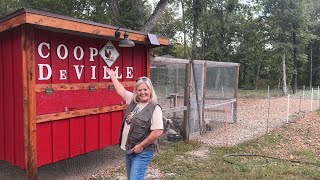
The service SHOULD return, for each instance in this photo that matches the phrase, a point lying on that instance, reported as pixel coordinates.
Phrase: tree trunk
(151, 22)
(284, 75)
(195, 28)
(311, 67)
(184, 30)
(295, 66)
(114, 8)
(138, 5)
(222, 33)
(257, 74)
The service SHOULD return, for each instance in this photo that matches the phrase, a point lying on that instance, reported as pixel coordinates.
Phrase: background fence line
(259, 115)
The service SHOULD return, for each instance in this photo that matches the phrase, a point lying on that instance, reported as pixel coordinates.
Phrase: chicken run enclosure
(195, 95)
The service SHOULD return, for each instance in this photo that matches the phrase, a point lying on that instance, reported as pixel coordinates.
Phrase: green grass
(259, 93)
(179, 164)
(263, 93)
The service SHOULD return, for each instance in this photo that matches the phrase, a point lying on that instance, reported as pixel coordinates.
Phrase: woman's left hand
(137, 149)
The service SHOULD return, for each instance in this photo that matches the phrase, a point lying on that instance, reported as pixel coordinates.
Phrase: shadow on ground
(79, 167)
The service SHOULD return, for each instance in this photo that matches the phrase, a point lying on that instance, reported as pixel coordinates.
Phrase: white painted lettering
(78, 72)
(63, 74)
(93, 52)
(118, 75)
(41, 76)
(129, 72)
(59, 51)
(75, 53)
(93, 72)
(105, 74)
(40, 50)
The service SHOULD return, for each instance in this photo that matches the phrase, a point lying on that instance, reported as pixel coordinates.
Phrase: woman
(141, 126)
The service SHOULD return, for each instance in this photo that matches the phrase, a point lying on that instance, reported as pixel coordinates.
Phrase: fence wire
(208, 87)
(258, 116)
(227, 119)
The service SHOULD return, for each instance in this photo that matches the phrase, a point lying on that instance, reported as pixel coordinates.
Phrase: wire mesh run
(195, 95)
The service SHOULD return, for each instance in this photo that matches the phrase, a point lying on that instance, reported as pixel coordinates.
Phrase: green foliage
(7, 7)
(255, 34)
(190, 162)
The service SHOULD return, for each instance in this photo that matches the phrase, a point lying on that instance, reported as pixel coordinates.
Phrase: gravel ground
(256, 117)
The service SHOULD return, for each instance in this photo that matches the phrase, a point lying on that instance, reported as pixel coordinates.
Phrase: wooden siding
(93, 119)
(1, 98)
(11, 109)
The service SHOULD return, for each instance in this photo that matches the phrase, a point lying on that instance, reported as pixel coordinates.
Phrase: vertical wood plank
(60, 140)
(148, 61)
(44, 130)
(57, 64)
(204, 95)
(77, 75)
(127, 61)
(73, 70)
(29, 101)
(186, 126)
(91, 67)
(116, 125)
(42, 36)
(17, 91)
(77, 136)
(60, 129)
(236, 82)
(102, 65)
(8, 99)
(1, 101)
(44, 145)
(119, 63)
(104, 130)
(138, 62)
(92, 132)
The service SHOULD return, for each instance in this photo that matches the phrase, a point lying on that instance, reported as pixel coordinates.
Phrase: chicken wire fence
(223, 119)
(195, 99)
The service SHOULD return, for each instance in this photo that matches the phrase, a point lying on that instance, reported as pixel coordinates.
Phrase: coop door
(195, 115)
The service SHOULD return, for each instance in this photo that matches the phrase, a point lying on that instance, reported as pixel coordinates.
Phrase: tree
(287, 22)
(122, 10)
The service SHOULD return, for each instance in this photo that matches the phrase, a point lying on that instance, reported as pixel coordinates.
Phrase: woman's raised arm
(117, 85)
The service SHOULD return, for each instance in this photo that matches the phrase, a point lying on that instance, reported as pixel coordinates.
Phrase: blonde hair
(153, 96)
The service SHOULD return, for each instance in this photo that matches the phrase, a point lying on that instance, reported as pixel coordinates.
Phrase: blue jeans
(137, 164)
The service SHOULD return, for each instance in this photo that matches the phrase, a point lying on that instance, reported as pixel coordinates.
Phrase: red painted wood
(91, 74)
(92, 132)
(127, 61)
(118, 64)
(18, 103)
(105, 130)
(42, 36)
(8, 99)
(61, 140)
(144, 61)
(75, 100)
(76, 74)
(1, 100)
(116, 125)
(58, 65)
(138, 57)
(44, 143)
(77, 136)
(71, 137)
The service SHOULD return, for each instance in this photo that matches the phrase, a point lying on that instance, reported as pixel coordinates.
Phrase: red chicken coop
(56, 99)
